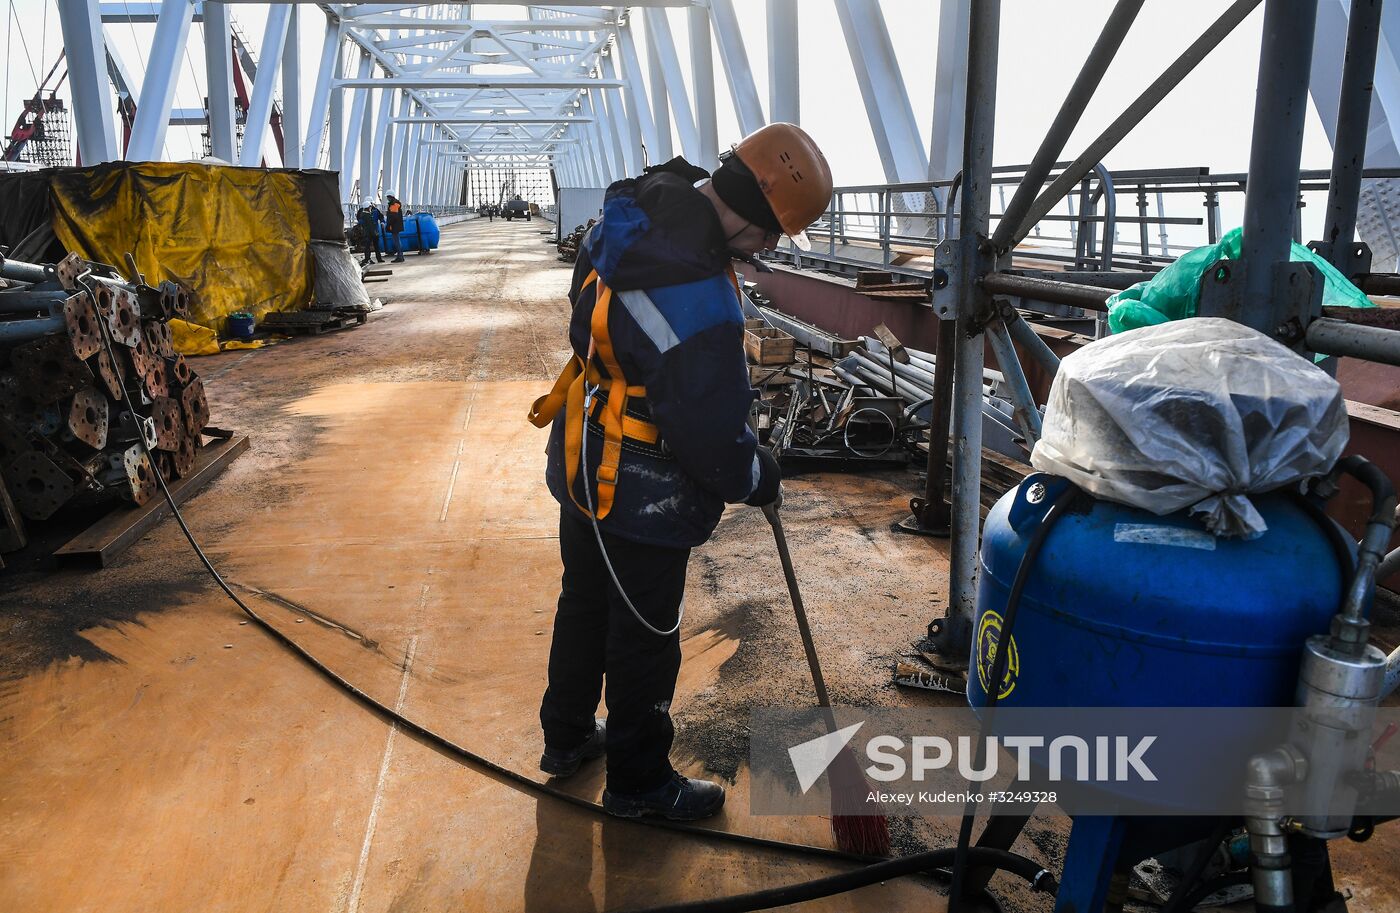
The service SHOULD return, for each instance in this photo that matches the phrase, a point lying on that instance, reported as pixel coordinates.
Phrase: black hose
(423, 732)
(1342, 546)
(1000, 658)
(1038, 878)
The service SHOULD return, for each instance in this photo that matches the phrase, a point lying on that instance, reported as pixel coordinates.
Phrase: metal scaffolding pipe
(1349, 143)
(1337, 337)
(1275, 154)
(1087, 297)
(954, 635)
(1071, 110)
(1133, 115)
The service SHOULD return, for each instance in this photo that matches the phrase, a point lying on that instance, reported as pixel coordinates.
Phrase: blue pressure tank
(1123, 608)
(1126, 608)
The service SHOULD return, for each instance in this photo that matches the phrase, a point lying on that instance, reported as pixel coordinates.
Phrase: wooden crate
(769, 346)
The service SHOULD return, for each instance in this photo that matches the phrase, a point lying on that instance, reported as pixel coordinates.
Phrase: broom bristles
(858, 823)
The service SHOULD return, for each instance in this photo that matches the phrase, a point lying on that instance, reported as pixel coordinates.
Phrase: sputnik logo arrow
(811, 759)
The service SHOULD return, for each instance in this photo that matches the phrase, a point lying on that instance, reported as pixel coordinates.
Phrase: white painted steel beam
(641, 127)
(475, 81)
(218, 73)
(378, 150)
(260, 107)
(365, 184)
(614, 124)
(949, 91)
(734, 57)
(321, 95)
(353, 127)
(492, 119)
(140, 13)
(662, 49)
(662, 149)
(291, 92)
(394, 142)
(784, 88)
(702, 77)
(158, 86)
(897, 135)
(93, 114)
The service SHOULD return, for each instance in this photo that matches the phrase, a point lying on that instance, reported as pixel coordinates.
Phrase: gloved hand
(769, 488)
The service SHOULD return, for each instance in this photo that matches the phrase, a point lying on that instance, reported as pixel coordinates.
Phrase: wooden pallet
(103, 541)
(313, 322)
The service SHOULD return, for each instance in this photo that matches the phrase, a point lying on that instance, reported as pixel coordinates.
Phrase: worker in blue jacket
(660, 372)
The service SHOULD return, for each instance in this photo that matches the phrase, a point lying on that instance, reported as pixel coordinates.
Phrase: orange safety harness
(574, 391)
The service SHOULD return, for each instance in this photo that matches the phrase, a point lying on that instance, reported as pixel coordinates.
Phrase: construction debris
(569, 244)
(66, 435)
(315, 319)
(881, 284)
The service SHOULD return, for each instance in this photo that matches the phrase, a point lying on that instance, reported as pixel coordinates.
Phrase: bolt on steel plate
(169, 422)
(49, 369)
(37, 486)
(84, 334)
(87, 417)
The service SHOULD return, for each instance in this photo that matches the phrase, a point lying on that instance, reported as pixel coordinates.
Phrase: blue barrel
(428, 232)
(420, 233)
(1126, 608)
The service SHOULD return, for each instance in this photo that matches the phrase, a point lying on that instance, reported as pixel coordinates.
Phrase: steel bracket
(947, 279)
(1356, 262)
(1296, 299)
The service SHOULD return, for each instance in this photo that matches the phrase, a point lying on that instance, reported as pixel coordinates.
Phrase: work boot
(680, 799)
(381, 259)
(559, 763)
(398, 259)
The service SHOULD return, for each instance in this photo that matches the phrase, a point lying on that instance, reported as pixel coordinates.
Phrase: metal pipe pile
(66, 435)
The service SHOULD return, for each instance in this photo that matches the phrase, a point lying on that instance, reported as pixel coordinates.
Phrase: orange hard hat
(791, 172)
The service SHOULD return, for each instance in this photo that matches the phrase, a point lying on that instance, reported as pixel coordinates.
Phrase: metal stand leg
(931, 515)
(1094, 843)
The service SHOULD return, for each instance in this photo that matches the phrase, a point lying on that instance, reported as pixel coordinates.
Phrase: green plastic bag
(1175, 292)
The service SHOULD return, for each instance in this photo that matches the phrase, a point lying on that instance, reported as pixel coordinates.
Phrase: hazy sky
(1206, 121)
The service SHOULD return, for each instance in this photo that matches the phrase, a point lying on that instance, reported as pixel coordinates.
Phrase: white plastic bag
(337, 276)
(1195, 413)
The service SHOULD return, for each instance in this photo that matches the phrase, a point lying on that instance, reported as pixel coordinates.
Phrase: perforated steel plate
(68, 269)
(124, 318)
(169, 422)
(37, 486)
(195, 407)
(84, 334)
(157, 379)
(158, 338)
(185, 455)
(178, 372)
(48, 370)
(87, 417)
(140, 476)
(111, 373)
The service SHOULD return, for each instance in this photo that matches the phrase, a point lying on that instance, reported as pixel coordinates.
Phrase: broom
(855, 829)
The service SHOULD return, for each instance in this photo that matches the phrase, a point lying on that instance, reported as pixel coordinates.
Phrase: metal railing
(1138, 220)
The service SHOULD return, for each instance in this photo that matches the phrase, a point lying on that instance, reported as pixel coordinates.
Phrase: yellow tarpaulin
(239, 237)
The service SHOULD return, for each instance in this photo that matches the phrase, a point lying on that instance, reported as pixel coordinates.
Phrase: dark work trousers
(371, 245)
(595, 634)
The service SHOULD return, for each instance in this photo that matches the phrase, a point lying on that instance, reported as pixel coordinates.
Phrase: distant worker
(490, 213)
(368, 217)
(393, 224)
(659, 368)
(378, 215)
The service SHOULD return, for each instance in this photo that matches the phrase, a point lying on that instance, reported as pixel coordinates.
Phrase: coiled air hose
(874, 870)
